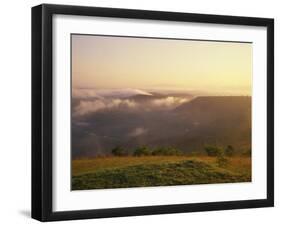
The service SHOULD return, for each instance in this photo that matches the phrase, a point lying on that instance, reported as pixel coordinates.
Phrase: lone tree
(118, 151)
(229, 151)
(219, 153)
(213, 151)
(142, 151)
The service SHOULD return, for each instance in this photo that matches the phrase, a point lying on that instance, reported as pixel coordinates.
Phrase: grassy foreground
(124, 172)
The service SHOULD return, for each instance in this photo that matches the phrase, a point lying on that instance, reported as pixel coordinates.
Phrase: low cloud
(91, 106)
(169, 101)
(86, 107)
(137, 132)
(88, 101)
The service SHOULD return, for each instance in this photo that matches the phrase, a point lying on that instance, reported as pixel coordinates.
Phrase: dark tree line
(146, 151)
(210, 150)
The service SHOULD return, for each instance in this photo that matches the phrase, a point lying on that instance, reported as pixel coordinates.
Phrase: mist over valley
(131, 118)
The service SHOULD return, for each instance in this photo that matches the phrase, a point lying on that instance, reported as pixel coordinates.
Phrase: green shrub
(166, 151)
(229, 151)
(213, 150)
(142, 151)
(119, 151)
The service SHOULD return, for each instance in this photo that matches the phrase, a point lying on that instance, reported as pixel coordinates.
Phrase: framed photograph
(140, 112)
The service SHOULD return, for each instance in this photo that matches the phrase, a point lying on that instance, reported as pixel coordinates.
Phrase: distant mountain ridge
(216, 102)
(101, 93)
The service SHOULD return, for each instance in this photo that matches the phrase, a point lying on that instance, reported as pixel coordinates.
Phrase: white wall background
(15, 114)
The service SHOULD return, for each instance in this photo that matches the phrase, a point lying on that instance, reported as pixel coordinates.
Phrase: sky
(107, 62)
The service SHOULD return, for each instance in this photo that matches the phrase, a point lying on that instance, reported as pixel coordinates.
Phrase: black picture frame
(42, 107)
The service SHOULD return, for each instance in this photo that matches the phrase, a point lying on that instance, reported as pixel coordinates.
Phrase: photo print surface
(159, 112)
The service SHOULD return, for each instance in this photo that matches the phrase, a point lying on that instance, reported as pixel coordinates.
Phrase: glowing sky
(142, 63)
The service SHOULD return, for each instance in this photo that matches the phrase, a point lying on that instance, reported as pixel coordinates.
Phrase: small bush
(194, 153)
(222, 161)
(119, 151)
(248, 152)
(142, 151)
(213, 151)
(229, 151)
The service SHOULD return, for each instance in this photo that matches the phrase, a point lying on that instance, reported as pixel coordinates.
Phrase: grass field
(124, 172)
